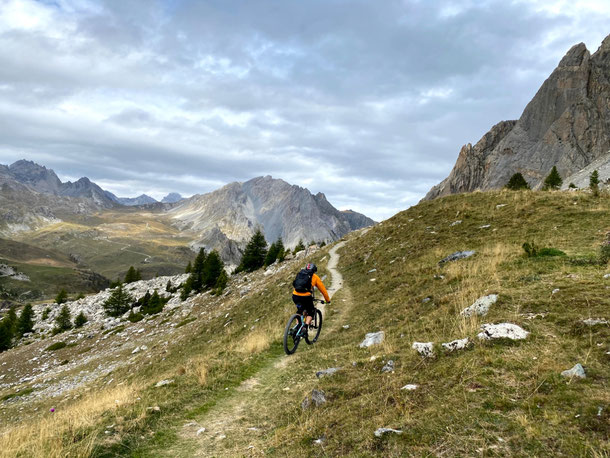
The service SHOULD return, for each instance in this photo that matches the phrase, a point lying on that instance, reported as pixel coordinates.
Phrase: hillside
(230, 391)
(565, 125)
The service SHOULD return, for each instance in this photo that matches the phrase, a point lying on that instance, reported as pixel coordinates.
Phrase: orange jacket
(315, 282)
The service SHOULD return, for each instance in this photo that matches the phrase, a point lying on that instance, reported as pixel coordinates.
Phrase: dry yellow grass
(255, 342)
(198, 367)
(67, 432)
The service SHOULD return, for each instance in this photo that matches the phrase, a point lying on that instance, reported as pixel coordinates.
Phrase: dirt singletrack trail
(234, 423)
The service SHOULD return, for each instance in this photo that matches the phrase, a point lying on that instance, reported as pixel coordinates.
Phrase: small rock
(372, 270)
(320, 441)
(607, 276)
(373, 279)
(389, 367)
(372, 338)
(454, 345)
(577, 371)
(381, 431)
(594, 321)
(346, 326)
(245, 290)
(164, 382)
(456, 256)
(200, 431)
(316, 398)
(502, 331)
(455, 223)
(425, 349)
(555, 291)
(327, 372)
(480, 306)
(501, 205)
(410, 387)
(425, 300)
(485, 226)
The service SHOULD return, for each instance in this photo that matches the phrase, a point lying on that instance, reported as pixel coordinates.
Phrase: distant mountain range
(32, 196)
(567, 125)
(44, 180)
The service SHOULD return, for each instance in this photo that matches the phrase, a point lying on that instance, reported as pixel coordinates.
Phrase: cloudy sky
(368, 101)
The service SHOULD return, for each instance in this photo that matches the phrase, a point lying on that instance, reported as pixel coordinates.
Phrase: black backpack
(302, 282)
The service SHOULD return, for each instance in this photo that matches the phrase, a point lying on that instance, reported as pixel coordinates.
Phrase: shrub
(572, 186)
(45, 313)
(135, 317)
(517, 182)
(604, 252)
(553, 180)
(533, 251)
(80, 320)
(56, 346)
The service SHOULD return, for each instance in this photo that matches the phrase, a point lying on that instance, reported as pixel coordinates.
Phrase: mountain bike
(296, 327)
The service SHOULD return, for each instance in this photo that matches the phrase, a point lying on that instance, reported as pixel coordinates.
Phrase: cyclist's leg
(309, 309)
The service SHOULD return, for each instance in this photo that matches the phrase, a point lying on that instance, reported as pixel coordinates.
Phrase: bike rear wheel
(317, 327)
(291, 339)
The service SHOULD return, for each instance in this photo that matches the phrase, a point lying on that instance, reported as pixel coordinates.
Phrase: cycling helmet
(311, 267)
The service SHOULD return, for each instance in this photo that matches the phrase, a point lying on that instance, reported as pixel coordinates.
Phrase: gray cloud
(368, 102)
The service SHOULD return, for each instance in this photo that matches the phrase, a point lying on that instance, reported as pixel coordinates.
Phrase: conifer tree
(63, 321)
(61, 297)
(281, 250)
(25, 323)
(119, 302)
(553, 180)
(154, 305)
(221, 282)
(300, 247)
(187, 288)
(594, 183)
(212, 268)
(517, 182)
(6, 334)
(271, 254)
(132, 275)
(188, 269)
(254, 254)
(11, 316)
(197, 271)
(80, 320)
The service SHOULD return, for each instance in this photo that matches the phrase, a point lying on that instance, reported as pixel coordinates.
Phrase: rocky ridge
(567, 125)
(227, 218)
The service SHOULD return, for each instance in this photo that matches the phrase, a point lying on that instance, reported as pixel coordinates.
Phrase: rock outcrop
(567, 124)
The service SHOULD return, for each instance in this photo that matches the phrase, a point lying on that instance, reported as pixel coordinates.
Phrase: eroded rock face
(567, 124)
(459, 344)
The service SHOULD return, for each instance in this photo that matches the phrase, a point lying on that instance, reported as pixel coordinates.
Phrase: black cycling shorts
(304, 303)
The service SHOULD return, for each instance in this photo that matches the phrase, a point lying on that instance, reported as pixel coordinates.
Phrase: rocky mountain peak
(566, 124)
(36, 176)
(172, 198)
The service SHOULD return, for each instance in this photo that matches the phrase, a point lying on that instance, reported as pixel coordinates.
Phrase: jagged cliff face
(227, 218)
(566, 124)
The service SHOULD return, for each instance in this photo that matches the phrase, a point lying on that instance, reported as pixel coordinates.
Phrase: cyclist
(302, 295)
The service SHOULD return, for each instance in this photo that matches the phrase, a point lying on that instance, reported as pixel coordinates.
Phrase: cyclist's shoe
(303, 331)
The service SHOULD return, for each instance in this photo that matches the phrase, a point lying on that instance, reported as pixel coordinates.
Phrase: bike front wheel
(291, 337)
(317, 327)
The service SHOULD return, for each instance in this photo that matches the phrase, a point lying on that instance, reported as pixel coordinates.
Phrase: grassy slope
(494, 399)
(114, 240)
